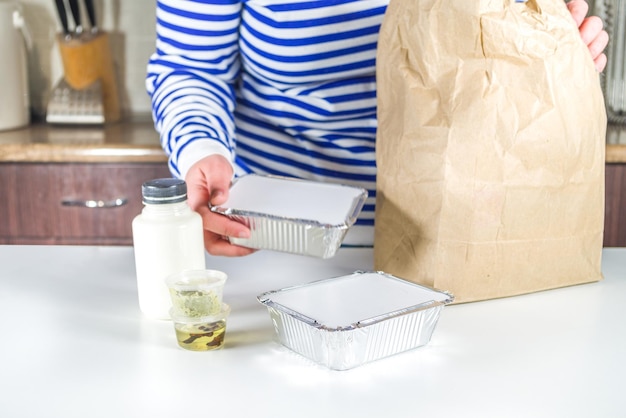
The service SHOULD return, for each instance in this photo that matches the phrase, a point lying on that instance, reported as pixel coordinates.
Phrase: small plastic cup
(201, 333)
(196, 293)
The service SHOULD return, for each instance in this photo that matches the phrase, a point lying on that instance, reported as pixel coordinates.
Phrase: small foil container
(347, 321)
(292, 215)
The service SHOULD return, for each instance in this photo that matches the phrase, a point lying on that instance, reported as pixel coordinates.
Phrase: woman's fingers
(218, 245)
(596, 39)
(591, 28)
(578, 9)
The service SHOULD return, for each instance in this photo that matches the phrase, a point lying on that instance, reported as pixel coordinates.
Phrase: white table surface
(74, 344)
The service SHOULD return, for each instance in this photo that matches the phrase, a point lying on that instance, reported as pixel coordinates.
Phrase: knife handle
(75, 9)
(63, 16)
(91, 14)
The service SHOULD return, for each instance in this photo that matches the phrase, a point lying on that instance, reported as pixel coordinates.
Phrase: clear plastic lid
(222, 315)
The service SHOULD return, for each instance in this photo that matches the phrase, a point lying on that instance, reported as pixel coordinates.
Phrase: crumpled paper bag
(490, 148)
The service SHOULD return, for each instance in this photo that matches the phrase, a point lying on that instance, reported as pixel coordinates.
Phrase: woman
(276, 87)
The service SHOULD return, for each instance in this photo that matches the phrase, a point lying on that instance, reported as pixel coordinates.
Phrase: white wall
(131, 27)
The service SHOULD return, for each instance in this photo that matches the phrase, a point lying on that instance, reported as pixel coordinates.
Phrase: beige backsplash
(131, 26)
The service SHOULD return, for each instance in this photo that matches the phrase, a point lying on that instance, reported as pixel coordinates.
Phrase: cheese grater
(68, 105)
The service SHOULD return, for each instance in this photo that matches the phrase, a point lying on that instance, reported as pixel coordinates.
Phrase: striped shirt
(282, 87)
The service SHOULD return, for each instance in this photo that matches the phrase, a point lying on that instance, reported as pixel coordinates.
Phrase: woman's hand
(208, 181)
(591, 31)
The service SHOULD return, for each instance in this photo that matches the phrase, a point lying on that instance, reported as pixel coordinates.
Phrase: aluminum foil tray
(293, 215)
(347, 321)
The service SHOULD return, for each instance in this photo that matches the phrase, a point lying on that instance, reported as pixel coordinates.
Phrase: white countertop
(74, 344)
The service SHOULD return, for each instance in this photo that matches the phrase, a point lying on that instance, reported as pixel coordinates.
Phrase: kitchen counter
(76, 345)
(129, 141)
(616, 144)
(137, 141)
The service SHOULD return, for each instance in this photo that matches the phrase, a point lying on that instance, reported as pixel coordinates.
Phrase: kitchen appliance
(14, 41)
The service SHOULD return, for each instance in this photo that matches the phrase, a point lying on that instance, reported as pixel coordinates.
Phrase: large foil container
(347, 321)
(292, 215)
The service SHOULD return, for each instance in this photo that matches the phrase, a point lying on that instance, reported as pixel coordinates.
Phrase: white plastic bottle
(167, 238)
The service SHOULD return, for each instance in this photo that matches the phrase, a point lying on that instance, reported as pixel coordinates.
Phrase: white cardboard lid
(346, 300)
(326, 203)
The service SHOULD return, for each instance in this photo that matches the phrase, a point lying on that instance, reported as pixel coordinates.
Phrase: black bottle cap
(162, 191)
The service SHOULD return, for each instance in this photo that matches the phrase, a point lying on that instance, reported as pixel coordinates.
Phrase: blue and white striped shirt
(284, 87)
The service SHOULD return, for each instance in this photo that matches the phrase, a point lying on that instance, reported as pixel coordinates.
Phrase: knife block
(87, 60)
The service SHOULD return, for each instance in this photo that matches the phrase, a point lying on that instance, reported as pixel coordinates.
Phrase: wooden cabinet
(95, 203)
(615, 206)
(72, 203)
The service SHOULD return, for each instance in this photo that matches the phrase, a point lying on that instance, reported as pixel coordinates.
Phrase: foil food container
(292, 215)
(347, 321)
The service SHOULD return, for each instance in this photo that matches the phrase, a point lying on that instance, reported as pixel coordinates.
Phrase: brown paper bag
(490, 148)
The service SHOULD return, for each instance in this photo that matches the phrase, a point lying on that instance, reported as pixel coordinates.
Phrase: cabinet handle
(121, 201)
